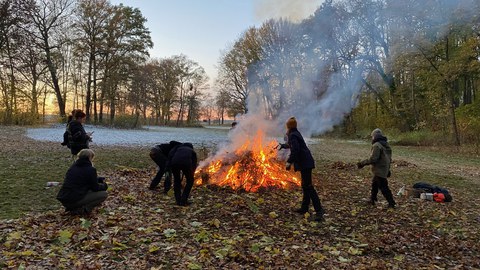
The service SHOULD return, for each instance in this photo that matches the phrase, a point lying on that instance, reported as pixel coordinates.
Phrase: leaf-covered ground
(140, 229)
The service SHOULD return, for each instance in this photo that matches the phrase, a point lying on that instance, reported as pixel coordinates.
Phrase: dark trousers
(87, 203)
(161, 161)
(382, 184)
(309, 192)
(181, 198)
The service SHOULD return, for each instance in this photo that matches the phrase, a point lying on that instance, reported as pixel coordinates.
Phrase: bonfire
(251, 167)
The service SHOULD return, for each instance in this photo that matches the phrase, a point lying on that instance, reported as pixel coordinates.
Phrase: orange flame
(252, 166)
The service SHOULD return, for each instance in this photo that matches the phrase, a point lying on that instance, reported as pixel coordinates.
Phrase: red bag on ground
(439, 197)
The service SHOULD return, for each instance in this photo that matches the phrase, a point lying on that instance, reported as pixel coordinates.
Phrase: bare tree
(192, 79)
(222, 104)
(126, 42)
(91, 22)
(49, 19)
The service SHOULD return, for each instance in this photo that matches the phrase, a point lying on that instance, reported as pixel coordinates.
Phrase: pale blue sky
(201, 29)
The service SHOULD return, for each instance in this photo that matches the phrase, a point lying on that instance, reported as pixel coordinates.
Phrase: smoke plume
(321, 63)
(293, 10)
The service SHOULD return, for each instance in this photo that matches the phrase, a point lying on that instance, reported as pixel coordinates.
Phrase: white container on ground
(52, 184)
(426, 196)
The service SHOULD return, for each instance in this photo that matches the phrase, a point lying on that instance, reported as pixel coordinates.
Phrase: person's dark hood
(381, 139)
(188, 145)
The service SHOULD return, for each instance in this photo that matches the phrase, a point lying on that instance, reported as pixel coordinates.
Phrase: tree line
(92, 55)
(409, 65)
(412, 65)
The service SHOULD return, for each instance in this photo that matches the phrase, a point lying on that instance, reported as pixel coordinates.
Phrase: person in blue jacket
(303, 161)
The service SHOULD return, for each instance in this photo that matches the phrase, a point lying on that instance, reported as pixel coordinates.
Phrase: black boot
(301, 210)
(318, 217)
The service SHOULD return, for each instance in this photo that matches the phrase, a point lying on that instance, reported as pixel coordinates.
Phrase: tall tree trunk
(414, 99)
(112, 108)
(103, 91)
(34, 105)
(88, 95)
(76, 95)
(44, 102)
(53, 74)
(180, 110)
(95, 90)
(450, 88)
(9, 86)
(4, 86)
(456, 135)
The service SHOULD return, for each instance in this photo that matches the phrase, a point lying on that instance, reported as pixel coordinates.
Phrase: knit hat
(377, 132)
(291, 123)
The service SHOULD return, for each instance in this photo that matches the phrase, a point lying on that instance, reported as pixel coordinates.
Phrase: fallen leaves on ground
(141, 229)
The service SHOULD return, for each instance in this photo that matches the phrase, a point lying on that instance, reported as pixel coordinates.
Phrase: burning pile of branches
(251, 167)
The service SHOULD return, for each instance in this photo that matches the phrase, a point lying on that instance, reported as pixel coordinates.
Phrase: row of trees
(412, 65)
(92, 55)
(406, 65)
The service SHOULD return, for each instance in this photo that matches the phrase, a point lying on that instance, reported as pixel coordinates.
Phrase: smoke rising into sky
(320, 89)
(341, 85)
(294, 10)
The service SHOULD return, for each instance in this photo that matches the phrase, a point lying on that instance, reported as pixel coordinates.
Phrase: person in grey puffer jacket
(380, 159)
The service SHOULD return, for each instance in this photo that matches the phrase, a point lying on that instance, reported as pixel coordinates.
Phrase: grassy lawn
(29, 165)
(225, 229)
(448, 167)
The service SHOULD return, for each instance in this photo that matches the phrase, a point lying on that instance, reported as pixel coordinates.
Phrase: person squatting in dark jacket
(380, 159)
(182, 158)
(78, 138)
(82, 190)
(159, 154)
(302, 161)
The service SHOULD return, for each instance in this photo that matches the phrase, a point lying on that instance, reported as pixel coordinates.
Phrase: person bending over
(182, 158)
(159, 154)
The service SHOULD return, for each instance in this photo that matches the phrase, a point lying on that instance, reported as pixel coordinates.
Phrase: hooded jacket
(183, 156)
(80, 178)
(380, 157)
(160, 152)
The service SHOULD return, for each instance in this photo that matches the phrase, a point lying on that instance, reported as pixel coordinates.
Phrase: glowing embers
(252, 166)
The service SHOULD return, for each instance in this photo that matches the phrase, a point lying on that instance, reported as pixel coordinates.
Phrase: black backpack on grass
(428, 188)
